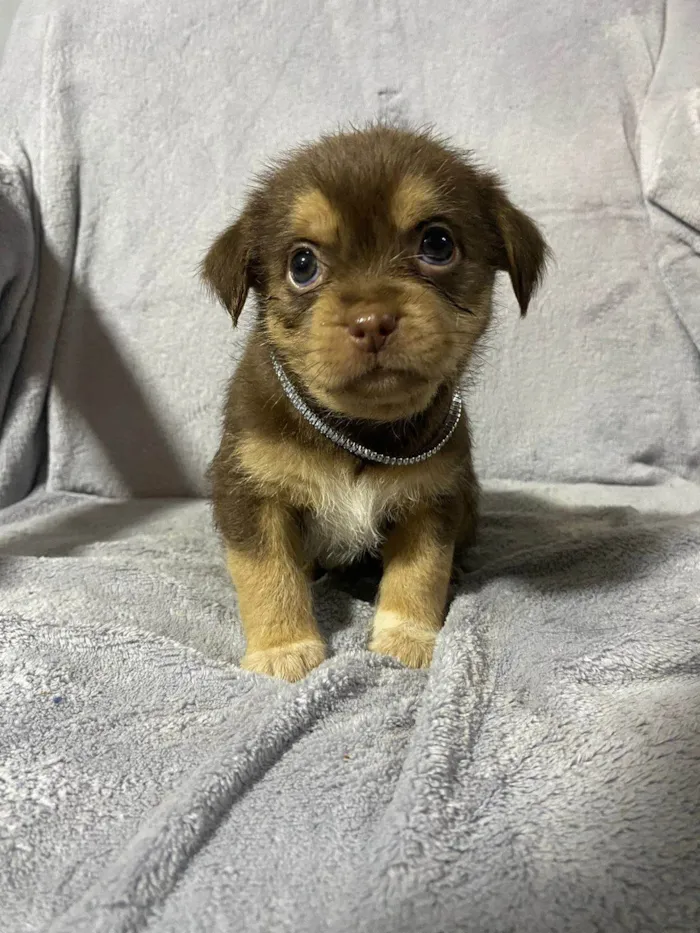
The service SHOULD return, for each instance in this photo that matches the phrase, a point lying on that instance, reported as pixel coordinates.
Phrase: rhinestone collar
(358, 450)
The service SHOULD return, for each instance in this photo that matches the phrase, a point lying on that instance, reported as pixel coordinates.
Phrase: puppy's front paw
(408, 642)
(288, 662)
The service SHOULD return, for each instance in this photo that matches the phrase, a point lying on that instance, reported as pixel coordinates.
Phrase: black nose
(370, 331)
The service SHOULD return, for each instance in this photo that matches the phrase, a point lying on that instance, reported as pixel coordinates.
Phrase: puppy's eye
(437, 248)
(304, 267)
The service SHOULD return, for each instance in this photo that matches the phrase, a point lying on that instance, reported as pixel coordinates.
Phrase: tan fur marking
(402, 639)
(412, 202)
(307, 476)
(325, 362)
(413, 591)
(274, 598)
(346, 511)
(314, 218)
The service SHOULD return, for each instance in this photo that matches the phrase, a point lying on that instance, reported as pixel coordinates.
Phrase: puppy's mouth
(381, 392)
(382, 379)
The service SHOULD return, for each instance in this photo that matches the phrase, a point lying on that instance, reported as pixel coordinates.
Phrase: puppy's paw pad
(413, 647)
(288, 662)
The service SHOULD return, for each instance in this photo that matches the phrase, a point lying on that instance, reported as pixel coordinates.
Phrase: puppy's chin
(379, 395)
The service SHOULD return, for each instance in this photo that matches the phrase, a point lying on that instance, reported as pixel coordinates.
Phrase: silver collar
(364, 453)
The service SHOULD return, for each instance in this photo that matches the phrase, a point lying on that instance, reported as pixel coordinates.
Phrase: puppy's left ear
(228, 267)
(522, 250)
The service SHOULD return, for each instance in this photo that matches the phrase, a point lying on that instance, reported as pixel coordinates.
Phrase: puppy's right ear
(227, 267)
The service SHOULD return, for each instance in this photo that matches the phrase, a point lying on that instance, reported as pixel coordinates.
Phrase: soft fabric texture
(544, 775)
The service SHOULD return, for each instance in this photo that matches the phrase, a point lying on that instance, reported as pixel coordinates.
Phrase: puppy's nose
(370, 331)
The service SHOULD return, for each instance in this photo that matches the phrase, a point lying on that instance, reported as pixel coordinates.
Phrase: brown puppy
(372, 255)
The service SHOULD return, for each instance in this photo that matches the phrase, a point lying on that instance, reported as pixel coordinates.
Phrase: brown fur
(283, 494)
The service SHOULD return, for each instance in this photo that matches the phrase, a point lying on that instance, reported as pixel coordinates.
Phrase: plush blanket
(544, 775)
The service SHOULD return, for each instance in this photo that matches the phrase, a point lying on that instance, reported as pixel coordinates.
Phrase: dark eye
(304, 267)
(437, 248)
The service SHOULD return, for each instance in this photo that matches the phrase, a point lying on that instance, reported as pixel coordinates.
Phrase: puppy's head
(373, 255)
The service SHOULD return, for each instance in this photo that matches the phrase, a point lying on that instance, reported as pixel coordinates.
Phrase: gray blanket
(544, 775)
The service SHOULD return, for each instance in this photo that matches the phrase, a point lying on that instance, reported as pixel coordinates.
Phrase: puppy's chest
(348, 518)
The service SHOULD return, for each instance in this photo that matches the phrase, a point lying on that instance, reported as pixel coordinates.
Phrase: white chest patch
(348, 520)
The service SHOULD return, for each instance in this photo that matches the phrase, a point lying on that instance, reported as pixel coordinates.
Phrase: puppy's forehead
(325, 213)
(360, 191)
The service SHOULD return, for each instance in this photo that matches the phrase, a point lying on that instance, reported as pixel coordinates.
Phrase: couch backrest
(150, 119)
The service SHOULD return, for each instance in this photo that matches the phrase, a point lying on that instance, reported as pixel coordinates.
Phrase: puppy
(372, 255)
